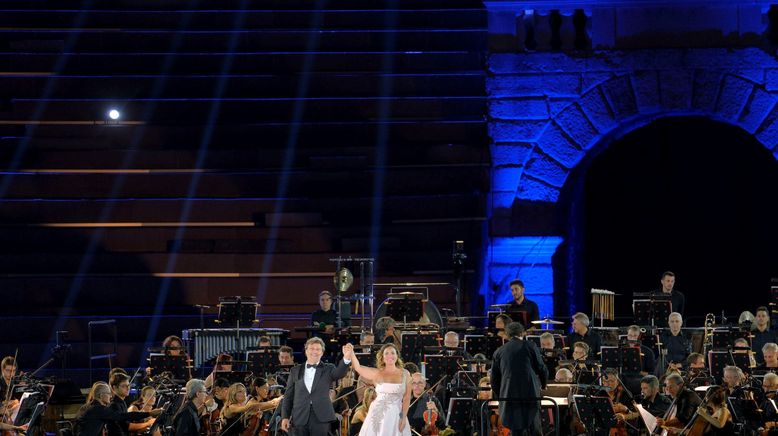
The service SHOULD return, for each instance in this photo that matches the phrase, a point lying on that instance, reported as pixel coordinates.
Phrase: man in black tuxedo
(307, 401)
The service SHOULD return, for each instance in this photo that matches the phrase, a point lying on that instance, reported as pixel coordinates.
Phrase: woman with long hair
(388, 414)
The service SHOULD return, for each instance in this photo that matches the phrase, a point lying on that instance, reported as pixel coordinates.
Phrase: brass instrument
(710, 324)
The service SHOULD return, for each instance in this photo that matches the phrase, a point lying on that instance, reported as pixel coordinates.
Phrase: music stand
(492, 344)
(596, 413)
(475, 344)
(405, 308)
(176, 365)
(458, 416)
(237, 311)
(366, 359)
(262, 362)
(626, 359)
(413, 343)
(653, 311)
(717, 360)
(437, 366)
(724, 338)
(744, 411)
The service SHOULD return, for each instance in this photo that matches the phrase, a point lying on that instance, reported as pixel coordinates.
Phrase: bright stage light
(114, 114)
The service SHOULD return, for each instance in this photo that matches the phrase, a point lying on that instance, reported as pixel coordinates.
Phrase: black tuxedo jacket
(298, 401)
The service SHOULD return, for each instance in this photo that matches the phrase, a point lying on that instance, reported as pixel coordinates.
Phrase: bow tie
(308, 365)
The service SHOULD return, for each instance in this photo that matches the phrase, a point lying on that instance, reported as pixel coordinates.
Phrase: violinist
(186, 422)
(260, 394)
(235, 410)
(685, 403)
(93, 416)
(495, 423)
(618, 399)
(769, 406)
(360, 413)
(653, 401)
(145, 403)
(422, 401)
(223, 364)
(9, 405)
(717, 417)
(120, 388)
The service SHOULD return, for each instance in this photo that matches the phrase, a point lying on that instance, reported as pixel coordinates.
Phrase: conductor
(518, 372)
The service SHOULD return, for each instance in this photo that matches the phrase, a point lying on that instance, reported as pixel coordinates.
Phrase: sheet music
(648, 418)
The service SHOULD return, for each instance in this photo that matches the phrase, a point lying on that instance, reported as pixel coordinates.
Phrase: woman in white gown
(388, 413)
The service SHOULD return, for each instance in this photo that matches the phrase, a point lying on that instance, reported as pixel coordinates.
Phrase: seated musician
(563, 375)
(366, 340)
(285, 358)
(485, 394)
(582, 333)
(686, 403)
(733, 382)
(581, 351)
(551, 355)
(120, 388)
(647, 354)
(717, 417)
(481, 365)
(325, 316)
(451, 345)
(616, 392)
(260, 394)
(769, 406)
(697, 374)
(264, 342)
(144, 403)
(653, 401)
(385, 328)
(360, 413)
(411, 367)
(186, 421)
(741, 346)
(422, 401)
(761, 333)
(677, 345)
(521, 304)
(8, 372)
(770, 355)
(235, 410)
(500, 321)
(223, 364)
(218, 395)
(96, 413)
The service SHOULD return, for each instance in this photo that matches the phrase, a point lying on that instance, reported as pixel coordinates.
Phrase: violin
(430, 417)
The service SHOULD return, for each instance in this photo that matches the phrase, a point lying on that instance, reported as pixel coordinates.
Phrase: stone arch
(626, 102)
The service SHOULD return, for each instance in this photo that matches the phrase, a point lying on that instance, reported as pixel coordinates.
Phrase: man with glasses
(96, 413)
(120, 388)
(422, 402)
(685, 402)
(187, 420)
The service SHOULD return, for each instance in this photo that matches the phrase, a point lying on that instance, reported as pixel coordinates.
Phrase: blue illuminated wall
(550, 113)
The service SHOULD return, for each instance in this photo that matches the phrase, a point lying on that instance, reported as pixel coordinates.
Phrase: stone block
(503, 200)
(768, 132)
(543, 167)
(759, 106)
(771, 80)
(706, 90)
(591, 79)
(575, 123)
(534, 85)
(756, 75)
(516, 131)
(511, 153)
(619, 93)
(543, 62)
(555, 143)
(645, 84)
(675, 89)
(506, 178)
(735, 92)
(596, 109)
(519, 109)
(532, 189)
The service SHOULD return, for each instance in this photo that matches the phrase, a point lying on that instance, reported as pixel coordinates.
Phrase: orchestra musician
(451, 345)
(563, 375)
(521, 304)
(144, 403)
(95, 414)
(360, 413)
(770, 356)
(286, 360)
(696, 374)
(769, 407)
(500, 321)
(733, 383)
(120, 388)
(422, 401)
(518, 372)
(551, 355)
(761, 333)
(264, 342)
(235, 409)
(223, 364)
(677, 345)
(677, 299)
(386, 330)
(325, 317)
(9, 405)
(260, 395)
(186, 421)
(717, 417)
(685, 403)
(653, 401)
(366, 341)
(582, 333)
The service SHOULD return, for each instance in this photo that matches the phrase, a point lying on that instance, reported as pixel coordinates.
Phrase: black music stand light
(596, 413)
(262, 362)
(653, 311)
(474, 344)
(176, 365)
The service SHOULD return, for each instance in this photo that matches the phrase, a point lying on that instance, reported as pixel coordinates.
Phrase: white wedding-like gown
(383, 417)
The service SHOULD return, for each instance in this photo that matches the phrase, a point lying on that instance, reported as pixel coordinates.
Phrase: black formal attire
(528, 306)
(233, 426)
(648, 365)
(186, 422)
(92, 417)
(591, 338)
(311, 411)
(758, 341)
(677, 299)
(518, 372)
(678, 347)
(686, 405)
(329, 317)
(416, 413)
(118, 428)
(658, 407)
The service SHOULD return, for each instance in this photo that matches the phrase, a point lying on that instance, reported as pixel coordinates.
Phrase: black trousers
(313, 427)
